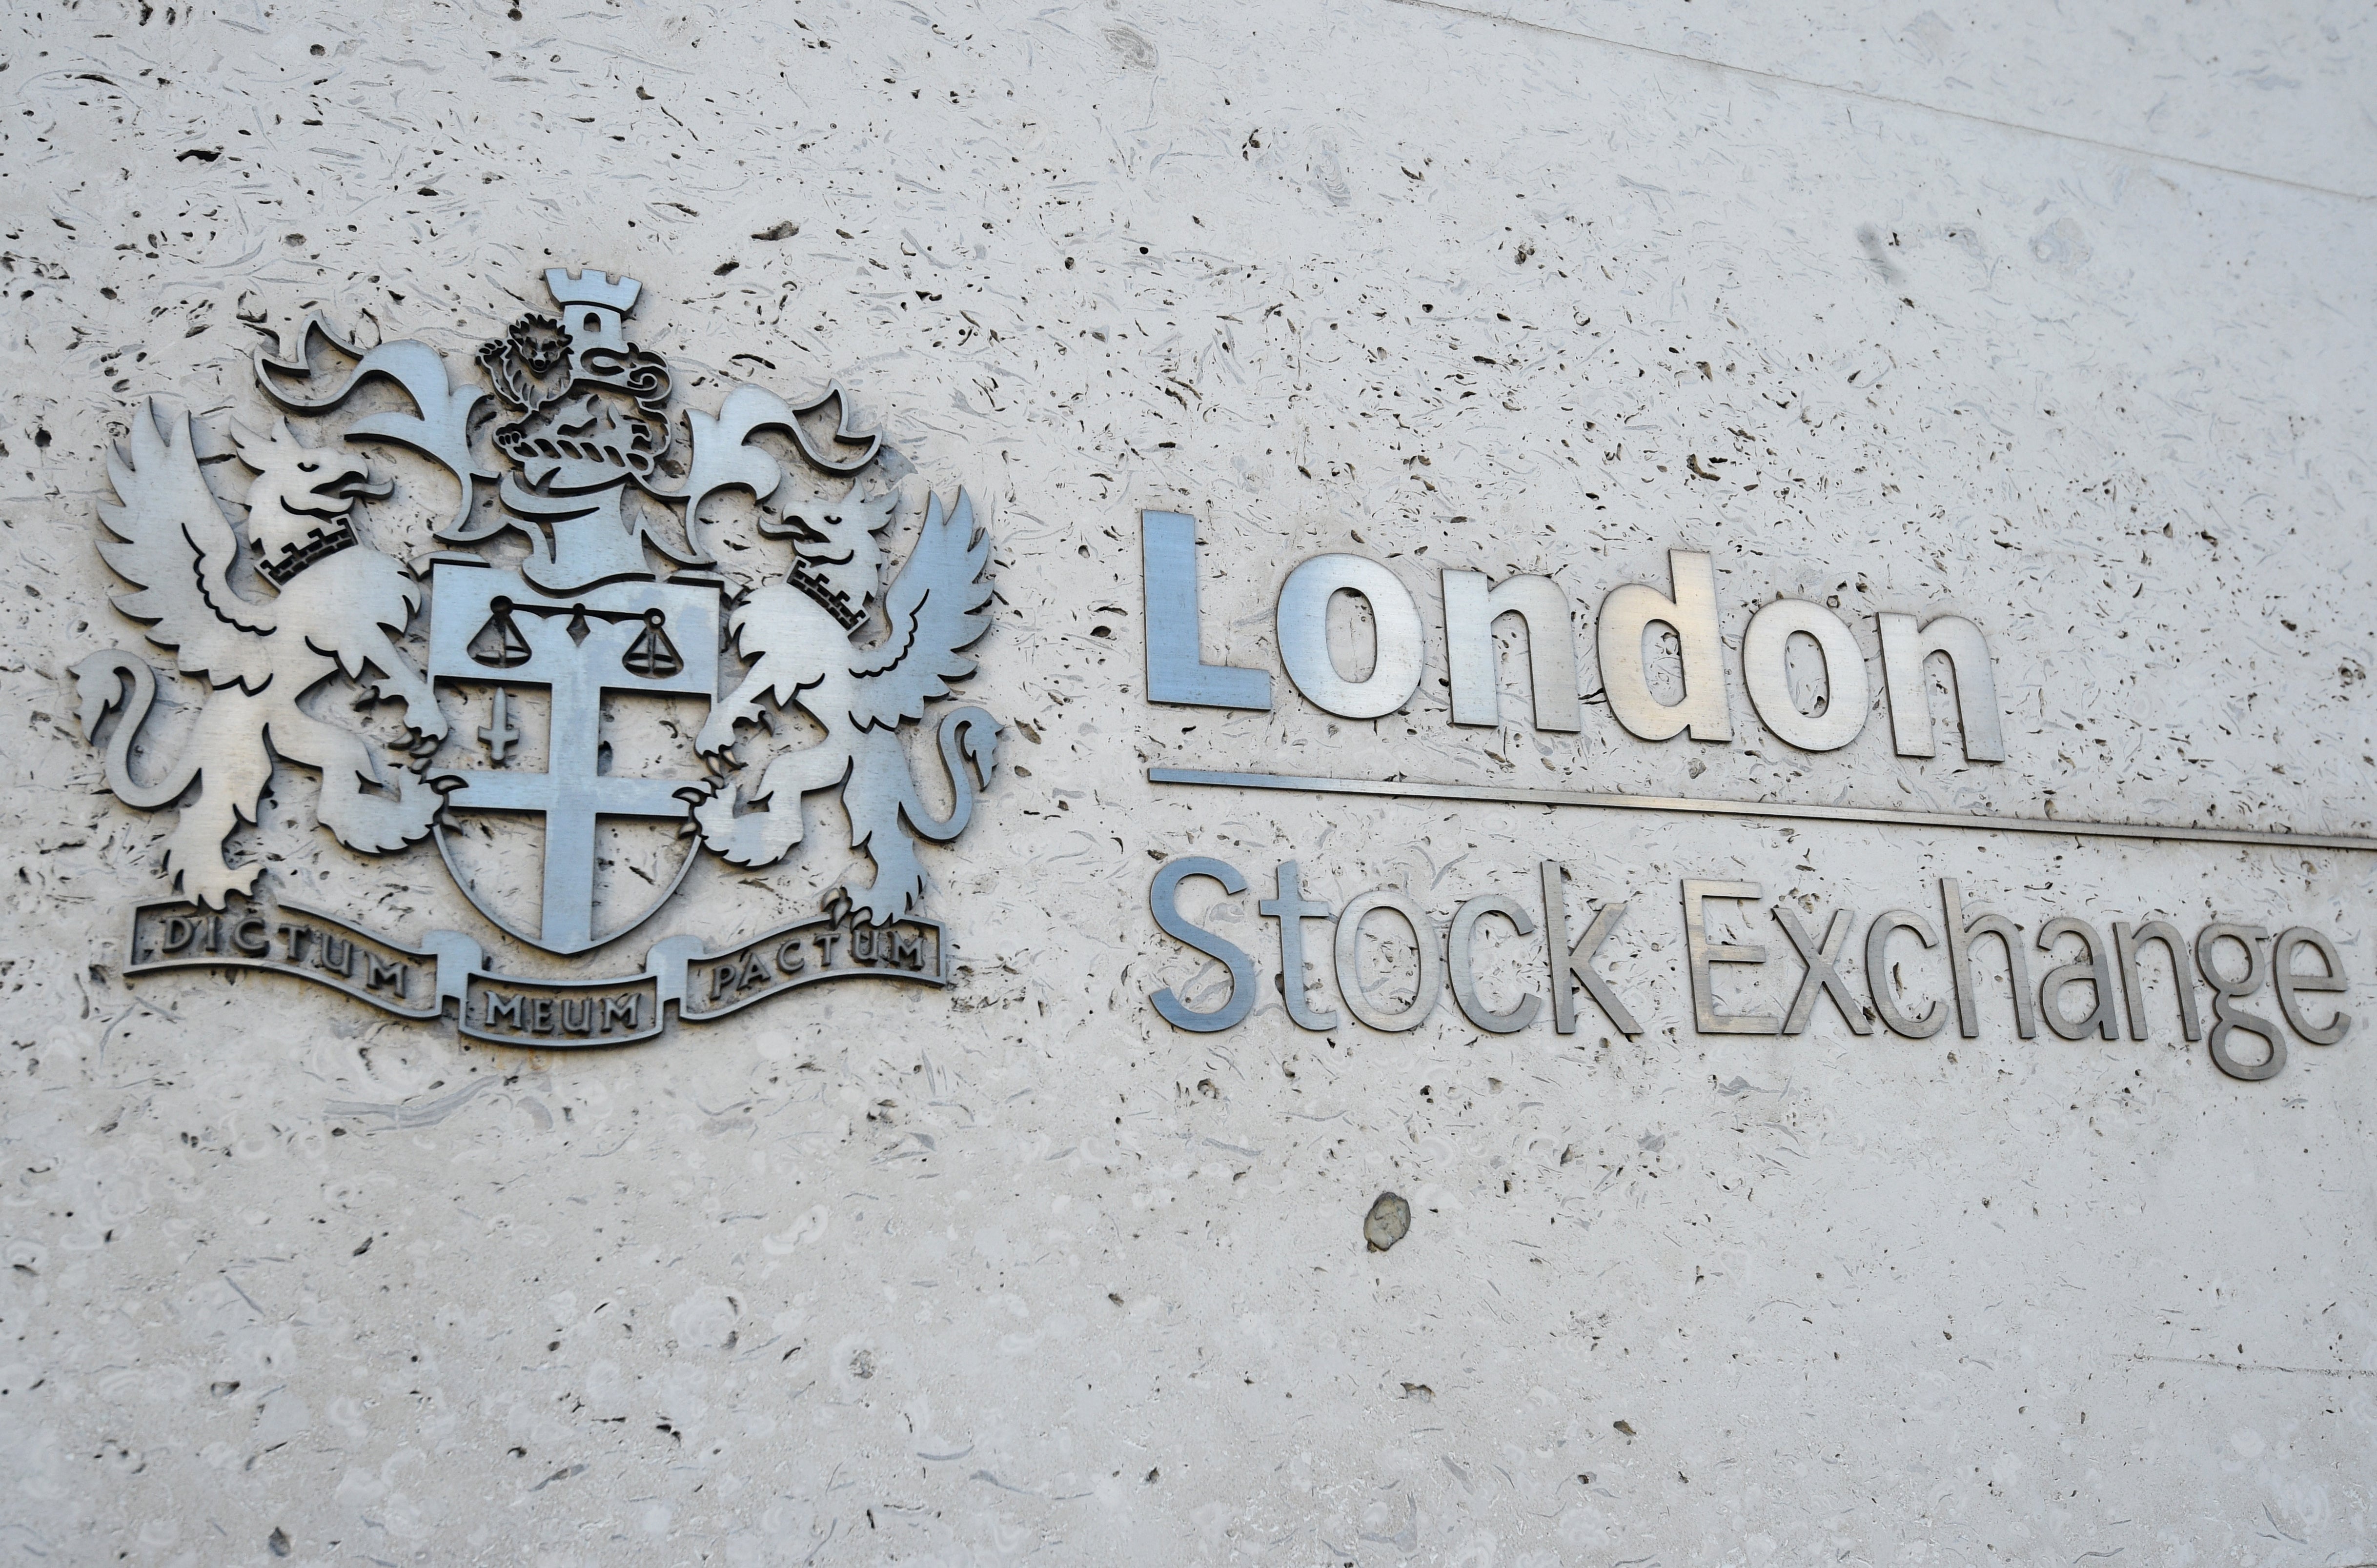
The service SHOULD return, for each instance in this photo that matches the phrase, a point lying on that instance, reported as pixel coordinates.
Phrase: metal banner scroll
(528, 1010)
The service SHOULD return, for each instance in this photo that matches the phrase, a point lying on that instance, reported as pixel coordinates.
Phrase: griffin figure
(340, 605)
(797, 631)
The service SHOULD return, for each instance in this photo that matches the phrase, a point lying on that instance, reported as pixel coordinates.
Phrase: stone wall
(2057, 321)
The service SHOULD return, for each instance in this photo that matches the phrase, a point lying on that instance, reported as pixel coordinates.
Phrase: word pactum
(2234, 960)
(1177, 671)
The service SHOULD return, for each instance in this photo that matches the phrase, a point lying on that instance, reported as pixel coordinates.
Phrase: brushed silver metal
(1303, 623)
(1291, 908)
(1906, 645)
(1423, 790)
(2229, 990)
(1883, 989)
(1626, 616)
(2094, 970)
(1460, 952)
(1163, 901)
(2126, 943)
(342, 606)
(1473, 603)
(724, 458)
(2289, 985)
(1348, 954)
(578, 648)
(1177, 671)
(584, 416)
(1766, 672)
(1572, 963)
(1823, 976)
(1961, 933)
(1702, 955)
(796, 632)
(439, 428)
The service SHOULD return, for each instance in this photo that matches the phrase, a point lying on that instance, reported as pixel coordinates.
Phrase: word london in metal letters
(576, 432)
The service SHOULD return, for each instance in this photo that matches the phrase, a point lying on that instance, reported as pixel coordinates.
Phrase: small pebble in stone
(1389, 1221)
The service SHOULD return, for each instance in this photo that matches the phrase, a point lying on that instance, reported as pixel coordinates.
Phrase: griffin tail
(881, 797)
(100, 683)
(968, 736)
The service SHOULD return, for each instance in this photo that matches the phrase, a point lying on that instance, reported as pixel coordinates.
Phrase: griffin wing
(173, 543)
(939, 606)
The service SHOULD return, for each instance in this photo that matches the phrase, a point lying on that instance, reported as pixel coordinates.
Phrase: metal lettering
(541, 1015)
(1905, 645)
(254, 946)
(2093, 971)
(2226, 1018)
(1701, 954)
(1470, 609)
(1459, 955)
(1572, 966)
(1883, 988)
(1766, 670)
(2289, 984)
(1348, 954)
(825, 941)
(1303, 624)
(790, 959)
(621, 1012)
(1177, 671)
(908, 950)
(378, 974)
(1627, 617)
(1961, 934)
(1291, 909)
(1163, 901)
(1823, 976)
(2174, 948)
(501, 1007)
(577, 1015)
(336, 956)
(179, 929)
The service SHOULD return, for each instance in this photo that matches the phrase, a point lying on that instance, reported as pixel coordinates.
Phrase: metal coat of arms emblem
(569, 598)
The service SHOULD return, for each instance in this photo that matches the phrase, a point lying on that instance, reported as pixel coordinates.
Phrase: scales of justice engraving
(566, 594)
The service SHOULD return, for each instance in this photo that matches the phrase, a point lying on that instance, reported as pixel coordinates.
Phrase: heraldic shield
(565, 743)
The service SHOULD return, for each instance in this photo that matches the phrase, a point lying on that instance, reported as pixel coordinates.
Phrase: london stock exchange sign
(576, 432)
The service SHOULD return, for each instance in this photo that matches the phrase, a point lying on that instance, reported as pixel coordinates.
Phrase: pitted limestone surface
(1877, 313)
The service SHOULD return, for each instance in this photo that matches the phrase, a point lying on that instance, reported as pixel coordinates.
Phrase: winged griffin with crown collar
(338, 605)
(798, 631)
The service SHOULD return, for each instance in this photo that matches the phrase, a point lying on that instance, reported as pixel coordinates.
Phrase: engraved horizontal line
(2258, 1366)
(1527, 24)
(1975, 822)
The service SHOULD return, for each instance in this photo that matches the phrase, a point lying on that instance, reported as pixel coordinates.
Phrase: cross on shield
(489, 625)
